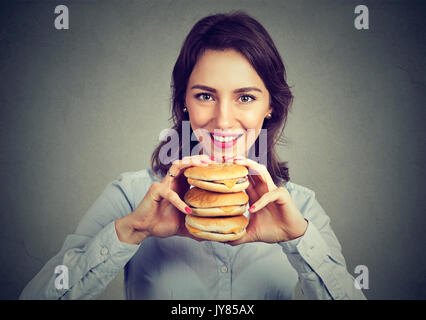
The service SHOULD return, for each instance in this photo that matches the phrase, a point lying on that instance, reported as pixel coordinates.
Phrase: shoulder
(304, 198)
(299, 191)
(132, 177)
(135, 184)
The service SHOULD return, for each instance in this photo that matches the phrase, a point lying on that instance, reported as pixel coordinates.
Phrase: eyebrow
(240, 90)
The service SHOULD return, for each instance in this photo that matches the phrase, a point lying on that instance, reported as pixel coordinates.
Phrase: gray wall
(80, 106)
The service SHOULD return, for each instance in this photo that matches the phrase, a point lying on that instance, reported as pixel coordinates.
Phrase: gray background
(80, 106)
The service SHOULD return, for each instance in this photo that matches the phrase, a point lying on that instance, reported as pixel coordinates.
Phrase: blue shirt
(182, 268)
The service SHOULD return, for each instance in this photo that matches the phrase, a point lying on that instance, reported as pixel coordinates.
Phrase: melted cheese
(229, 208)
(234, 230)
(192, 229)
(228, 182)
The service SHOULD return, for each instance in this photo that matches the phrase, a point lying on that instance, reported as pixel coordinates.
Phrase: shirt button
(224, 269)
(104, 251)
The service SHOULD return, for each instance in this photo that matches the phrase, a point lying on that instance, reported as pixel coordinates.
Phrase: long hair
(240, 32)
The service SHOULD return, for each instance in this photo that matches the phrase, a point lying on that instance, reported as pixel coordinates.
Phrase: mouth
(225, 141)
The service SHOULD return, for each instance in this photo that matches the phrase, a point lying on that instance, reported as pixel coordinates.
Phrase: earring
(269, 116)
(185, 109)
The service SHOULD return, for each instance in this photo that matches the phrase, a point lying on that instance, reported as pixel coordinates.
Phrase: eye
(246, 98)
(204, 96)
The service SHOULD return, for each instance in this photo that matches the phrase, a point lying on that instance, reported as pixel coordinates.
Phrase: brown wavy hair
(240, 32)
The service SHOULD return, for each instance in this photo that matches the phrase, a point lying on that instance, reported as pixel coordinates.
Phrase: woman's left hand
(273, 215)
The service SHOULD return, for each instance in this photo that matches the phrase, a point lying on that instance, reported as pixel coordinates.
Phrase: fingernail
(203, 161)
(251, 208)
(188, 210)
(212, 158)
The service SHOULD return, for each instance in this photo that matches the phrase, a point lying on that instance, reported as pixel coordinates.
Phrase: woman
(229, 83)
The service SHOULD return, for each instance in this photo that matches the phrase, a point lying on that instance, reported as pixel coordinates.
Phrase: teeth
(224, 139)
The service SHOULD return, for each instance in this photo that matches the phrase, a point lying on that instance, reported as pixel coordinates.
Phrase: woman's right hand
(158, 214)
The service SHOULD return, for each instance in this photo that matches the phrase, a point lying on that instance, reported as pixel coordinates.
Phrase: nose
(224, 115)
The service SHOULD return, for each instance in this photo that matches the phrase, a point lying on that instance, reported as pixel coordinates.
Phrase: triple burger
(218, 201)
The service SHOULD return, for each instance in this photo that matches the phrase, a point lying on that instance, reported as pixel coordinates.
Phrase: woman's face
(227, 103)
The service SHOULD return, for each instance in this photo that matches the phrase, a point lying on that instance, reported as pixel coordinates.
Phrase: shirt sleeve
(318, 259)
(92, 256)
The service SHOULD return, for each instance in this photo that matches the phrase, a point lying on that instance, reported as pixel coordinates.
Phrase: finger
(161, 191)
(183, 232)
(257, 169)
(227, 159)
(201, 159)
(252, 193)
(258, 185)
(253, 165)
(249, 236)
(178, 166)
(278, 195)
(174, 199)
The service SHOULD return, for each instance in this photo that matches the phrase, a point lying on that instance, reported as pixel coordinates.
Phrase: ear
(268, 112)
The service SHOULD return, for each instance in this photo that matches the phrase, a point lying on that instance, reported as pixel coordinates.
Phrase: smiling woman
(232, 100)
(229, 80)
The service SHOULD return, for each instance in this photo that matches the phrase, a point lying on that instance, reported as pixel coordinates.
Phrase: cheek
(251, 120)
(199, 124)
(198, 119)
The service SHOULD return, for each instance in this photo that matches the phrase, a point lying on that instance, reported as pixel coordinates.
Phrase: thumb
(249, 236)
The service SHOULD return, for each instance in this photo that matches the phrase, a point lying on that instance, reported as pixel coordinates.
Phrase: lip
(227, 144)
(223, 134)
